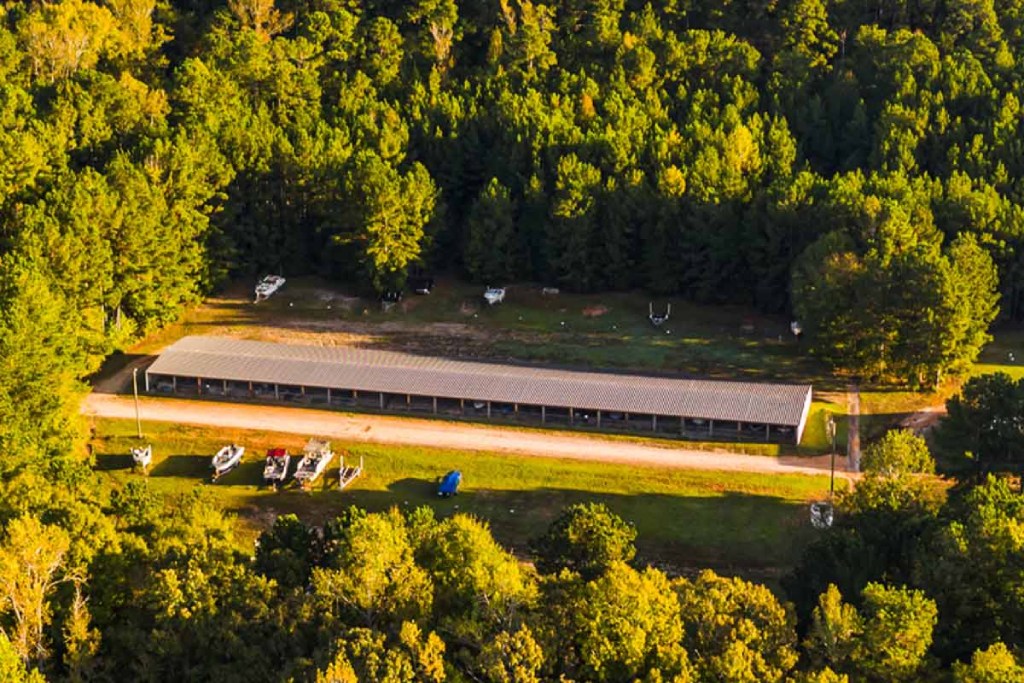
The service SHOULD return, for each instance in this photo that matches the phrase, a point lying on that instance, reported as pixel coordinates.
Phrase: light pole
(135, 391)
(830, 430)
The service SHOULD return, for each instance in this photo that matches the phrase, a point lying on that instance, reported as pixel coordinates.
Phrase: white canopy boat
(276, 469)
(267, 286)
(494, 295)
(226, 460)
(317, 456)
(142, 457)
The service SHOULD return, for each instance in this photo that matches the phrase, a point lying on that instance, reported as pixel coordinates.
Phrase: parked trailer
(348, 474)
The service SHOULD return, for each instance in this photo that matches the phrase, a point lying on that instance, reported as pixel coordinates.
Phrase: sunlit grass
(687, 518)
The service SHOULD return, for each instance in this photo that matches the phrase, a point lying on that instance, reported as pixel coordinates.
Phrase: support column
(328, 396)
(302, 390)
(174, 383)
(462, 405)
(682, 426)
(543, 414)
(739, 427)
(654, 423)
(355, 396)
(515, 409)
(147, 382)
(599, 419)
(225, 387)
(570, 416)
(277, 393)
(199, 385)
(767, 432)
(250, 390)
(711, 427)
(435, 405)
(488, 410)
(408, 400)
(382, 400)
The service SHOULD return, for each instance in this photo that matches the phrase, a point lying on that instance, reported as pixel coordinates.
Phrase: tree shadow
(733, 533)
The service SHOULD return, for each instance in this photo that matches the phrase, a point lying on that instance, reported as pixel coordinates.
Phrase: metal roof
(402, 373)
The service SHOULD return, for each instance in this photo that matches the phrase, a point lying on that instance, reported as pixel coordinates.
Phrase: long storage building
(370, 379)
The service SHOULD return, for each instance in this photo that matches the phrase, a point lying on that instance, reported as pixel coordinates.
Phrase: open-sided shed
(400, 382)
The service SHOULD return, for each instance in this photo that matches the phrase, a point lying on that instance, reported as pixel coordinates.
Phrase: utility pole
(830, 429)
(135, 390)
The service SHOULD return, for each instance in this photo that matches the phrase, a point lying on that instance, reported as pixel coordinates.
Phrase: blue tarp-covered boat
(449, 485)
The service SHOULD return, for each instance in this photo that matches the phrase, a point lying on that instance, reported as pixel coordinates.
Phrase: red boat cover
(276, 452)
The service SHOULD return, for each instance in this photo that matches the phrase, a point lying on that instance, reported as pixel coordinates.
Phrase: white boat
(141, 457)
(226, 460)
(276, 468)
(494, 295)
(267, 286)
(317, 455)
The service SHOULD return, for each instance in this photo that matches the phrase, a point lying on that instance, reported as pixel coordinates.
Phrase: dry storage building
(401, 382)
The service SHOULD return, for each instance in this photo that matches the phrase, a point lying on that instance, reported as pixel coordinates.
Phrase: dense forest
(856, 163)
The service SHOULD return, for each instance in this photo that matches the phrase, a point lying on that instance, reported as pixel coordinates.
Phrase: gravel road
(437, 434)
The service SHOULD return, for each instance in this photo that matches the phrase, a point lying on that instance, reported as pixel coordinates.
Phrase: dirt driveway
(437, 434)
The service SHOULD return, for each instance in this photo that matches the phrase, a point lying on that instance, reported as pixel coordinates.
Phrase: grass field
(996, 357)
(606, 330)
(745, 523)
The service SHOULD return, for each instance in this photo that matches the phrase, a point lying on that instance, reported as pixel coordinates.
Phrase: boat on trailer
(449, 484)
(276, 469)
(267, 286)
(494, 295)
(226, 460)
(317, 455)
(142, 457)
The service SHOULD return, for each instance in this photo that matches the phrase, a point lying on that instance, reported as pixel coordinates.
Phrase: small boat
(822, 515)
(421, 285)
(449, 485)
(141, 457)
(276, 469)
(494, 295)
(317, 455)
(267, 286)
(226, 460)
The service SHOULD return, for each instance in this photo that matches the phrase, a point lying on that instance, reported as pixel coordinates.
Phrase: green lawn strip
(996, 356)
(815, 440)
(685, 518)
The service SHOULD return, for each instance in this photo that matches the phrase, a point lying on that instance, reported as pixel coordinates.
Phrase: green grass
(685, 518)
(996, 356)
(815, 439)
(598, 331)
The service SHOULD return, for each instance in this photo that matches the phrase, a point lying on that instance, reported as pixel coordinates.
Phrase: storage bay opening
(392, 382)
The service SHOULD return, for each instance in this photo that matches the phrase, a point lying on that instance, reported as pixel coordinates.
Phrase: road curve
(433, 433)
